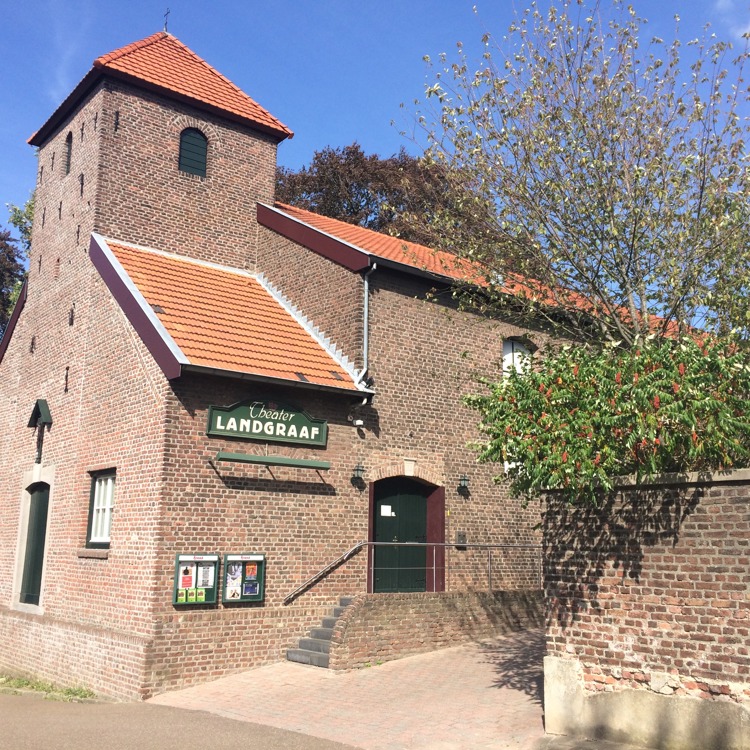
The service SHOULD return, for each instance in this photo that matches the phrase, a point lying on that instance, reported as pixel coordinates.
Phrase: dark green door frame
(427, 524)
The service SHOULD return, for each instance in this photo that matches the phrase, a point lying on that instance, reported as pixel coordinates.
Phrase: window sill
(29, 609)
(94, 554)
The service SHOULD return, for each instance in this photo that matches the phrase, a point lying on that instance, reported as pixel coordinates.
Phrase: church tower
(157, 148)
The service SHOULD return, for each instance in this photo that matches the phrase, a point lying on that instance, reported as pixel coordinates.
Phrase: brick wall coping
(630, 481)
(688, 477)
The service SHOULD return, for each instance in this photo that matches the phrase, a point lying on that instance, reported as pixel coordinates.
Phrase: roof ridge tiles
(356, 227)
(162, 63)
(116, 54)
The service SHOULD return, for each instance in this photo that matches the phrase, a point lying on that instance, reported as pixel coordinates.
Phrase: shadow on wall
(582, 544)
(518, 663)
(482, 614)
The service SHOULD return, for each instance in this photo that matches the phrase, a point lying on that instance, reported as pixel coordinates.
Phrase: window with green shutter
(193, 152)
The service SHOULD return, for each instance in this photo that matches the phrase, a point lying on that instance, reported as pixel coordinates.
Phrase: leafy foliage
(22, 218)
(582, 416)
(612, 169)
(11, 275)
(383, 194)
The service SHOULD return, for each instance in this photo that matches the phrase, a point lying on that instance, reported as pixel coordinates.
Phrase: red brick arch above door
(407, 468)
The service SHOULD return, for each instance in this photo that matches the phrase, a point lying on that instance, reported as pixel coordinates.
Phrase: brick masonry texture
(145, 199)
(73, 347)
(650, 590)
(381, 627)
(106, 619)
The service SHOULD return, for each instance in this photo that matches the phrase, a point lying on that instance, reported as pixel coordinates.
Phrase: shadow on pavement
(518, 664)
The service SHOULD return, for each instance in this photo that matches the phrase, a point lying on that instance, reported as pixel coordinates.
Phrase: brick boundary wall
(107, 661)
(648, 621)
(383, 627)
(196, 646)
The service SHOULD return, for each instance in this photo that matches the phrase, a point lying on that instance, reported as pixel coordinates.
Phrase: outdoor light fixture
(463, 485)
(358, 472)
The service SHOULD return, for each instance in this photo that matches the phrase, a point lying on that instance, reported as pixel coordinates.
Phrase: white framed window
(100, 508)
(516, 356)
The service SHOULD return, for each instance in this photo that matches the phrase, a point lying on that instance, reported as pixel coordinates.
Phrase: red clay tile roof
(225, 319)
(384, 246)
(164, 61)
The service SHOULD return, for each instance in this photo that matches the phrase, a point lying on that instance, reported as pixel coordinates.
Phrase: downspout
(366, 324)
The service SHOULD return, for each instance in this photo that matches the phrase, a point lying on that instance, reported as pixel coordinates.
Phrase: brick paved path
(477, 696)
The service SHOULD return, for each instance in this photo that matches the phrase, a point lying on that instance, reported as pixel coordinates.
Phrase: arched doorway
(406, 509)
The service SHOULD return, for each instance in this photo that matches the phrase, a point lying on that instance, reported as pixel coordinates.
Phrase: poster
(187, 575)
(250, 588)
(251, 571)
(234, 581)
(206, 572)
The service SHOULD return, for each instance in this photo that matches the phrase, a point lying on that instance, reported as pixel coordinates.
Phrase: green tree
(396, 195)
(22, 218)
(581, 416)
(11, 275)
(614, 171)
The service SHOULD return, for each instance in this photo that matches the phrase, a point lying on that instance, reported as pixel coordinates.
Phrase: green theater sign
(256, 420)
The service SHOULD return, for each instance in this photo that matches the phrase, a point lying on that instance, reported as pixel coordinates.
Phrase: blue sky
(334, 71)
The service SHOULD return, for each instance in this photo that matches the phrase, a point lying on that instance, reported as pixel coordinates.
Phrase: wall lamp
(463, 485)
(358, 473)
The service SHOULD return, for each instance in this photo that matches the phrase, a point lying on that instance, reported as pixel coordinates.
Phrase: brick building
(193, 371)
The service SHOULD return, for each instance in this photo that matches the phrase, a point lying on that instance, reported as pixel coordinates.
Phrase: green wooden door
(31, 583)
(400, 516)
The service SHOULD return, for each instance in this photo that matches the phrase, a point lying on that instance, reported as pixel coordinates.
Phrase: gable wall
(423, 356)
(329, 294)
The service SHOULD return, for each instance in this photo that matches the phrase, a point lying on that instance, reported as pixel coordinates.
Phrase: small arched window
(193, 152)
(68, 151)
(516, 356)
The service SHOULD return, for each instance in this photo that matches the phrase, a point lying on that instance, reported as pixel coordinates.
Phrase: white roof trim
(311, 329)
(102, 242)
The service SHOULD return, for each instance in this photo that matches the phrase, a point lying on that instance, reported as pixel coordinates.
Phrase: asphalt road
(28, 722)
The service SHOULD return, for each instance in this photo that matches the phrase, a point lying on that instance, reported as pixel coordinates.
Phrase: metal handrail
(359, 545)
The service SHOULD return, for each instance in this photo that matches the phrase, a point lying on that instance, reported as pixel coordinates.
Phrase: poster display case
(244, 578)
(196, 579)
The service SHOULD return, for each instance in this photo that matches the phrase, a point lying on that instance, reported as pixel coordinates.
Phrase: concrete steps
(316, 647)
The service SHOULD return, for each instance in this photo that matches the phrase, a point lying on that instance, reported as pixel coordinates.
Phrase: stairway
(315, 649)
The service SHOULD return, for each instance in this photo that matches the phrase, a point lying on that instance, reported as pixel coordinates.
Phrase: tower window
(193, 152)
(68, 151)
